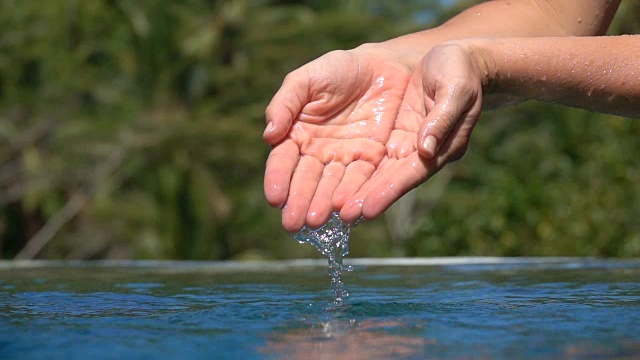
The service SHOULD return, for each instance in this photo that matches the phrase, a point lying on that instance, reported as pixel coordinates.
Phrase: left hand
(439, 111)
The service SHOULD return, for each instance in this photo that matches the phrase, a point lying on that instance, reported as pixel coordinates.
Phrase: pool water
(425, 308)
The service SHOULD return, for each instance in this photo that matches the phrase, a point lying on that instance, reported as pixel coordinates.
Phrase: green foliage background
(132, 129)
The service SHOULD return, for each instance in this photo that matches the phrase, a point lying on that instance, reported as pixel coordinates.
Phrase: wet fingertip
(344, 216)
(274, 202)
(351, 211)
(275, 196)
(290, 222)
(369, 213)
(315, 219)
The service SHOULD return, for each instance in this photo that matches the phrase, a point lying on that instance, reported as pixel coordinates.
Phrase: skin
(456, 76)
(594, 73)
(348, 130)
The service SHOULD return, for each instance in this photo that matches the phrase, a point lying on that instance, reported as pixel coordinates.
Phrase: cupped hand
(440, 108)
(329, 125)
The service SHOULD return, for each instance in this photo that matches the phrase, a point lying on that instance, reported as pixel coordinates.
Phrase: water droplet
(331, 240)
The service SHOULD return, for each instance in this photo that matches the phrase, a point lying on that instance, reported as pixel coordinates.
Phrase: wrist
(408, 49)
(396, 51)
(485, 65)
(482, 58)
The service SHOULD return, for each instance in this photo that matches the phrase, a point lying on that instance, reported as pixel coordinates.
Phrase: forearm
(514, 18)
(595, 73)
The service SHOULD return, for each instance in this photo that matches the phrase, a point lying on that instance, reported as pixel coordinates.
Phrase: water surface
(505, 308)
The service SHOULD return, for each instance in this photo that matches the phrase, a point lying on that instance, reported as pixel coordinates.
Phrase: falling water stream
(332, 240)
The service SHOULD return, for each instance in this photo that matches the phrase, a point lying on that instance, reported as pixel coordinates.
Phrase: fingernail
(270, 127)
(430, 144)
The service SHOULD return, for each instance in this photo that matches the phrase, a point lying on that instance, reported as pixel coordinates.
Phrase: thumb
(450, 105)
(435, 128)
(285, 106)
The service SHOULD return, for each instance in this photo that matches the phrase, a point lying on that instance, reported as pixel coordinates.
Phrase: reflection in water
(347, 339)
(625, 350)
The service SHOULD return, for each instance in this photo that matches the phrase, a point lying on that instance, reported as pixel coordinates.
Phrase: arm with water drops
(595, 73)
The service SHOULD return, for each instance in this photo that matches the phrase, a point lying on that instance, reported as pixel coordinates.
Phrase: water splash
(332, 240)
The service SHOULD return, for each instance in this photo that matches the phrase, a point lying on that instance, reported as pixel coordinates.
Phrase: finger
(303, 185)
(451, 102)
(321, 206)
(387, 185)
(353, 205)
(406, 175)
(286, 104)
(457, 142)
(355, 175)
(281, 163)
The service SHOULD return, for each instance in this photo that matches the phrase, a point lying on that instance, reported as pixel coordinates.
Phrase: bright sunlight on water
(438, 308)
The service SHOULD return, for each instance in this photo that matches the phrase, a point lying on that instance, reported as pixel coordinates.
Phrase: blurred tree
(133, 129)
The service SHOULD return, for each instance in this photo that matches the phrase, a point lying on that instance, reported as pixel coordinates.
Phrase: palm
(402, 168)
(351, 118)
(338, 134)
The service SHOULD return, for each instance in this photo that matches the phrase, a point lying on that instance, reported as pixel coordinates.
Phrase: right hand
(329, 124)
